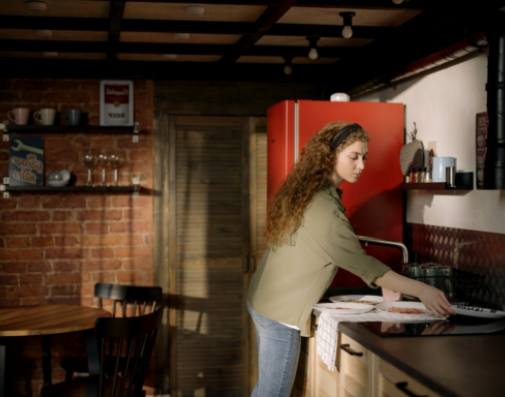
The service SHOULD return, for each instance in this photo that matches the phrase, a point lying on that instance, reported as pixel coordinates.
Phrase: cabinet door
(354, 369)
(326, 381)
(393, 382)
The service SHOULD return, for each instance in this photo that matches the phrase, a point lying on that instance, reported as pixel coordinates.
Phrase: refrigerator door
(375, 204)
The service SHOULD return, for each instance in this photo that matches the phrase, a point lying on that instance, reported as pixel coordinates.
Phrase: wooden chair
(125, 345)
(123, 301)
(128, 300)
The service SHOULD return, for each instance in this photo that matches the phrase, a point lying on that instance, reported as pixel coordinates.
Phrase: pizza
(406, 310)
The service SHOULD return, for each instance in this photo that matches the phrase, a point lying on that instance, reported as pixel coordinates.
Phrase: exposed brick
(104, 277)
(9, 280)
(31, 201)
(109, 215)
(25, 216)
(133, 252)
(59, 228)
(21, 254)
(42, 241)
(62, 278)
(64, 216)
(17, 242)
(101, 264)
(71, 202)
(66, 241)
(66, 266)
(63, 253)
(30, 279)
(28, 291)
(107, 240)
(102, 252)
(134, 277)
(13, 267)
(39, 266)
(12, 229)
(96, 227)
(69, 289)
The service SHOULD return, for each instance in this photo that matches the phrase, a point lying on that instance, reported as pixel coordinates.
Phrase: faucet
(378, 241)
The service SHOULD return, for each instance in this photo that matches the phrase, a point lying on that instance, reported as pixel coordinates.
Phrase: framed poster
(26, 161)
(482, 123)
(116, 102)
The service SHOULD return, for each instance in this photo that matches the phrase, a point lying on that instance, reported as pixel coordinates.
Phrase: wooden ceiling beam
(264, 23)
(161, 48)
(203, 27)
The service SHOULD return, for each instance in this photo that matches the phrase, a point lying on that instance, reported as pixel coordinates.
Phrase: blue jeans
(278, 353)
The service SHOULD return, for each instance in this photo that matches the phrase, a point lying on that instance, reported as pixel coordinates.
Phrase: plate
(408, 310)
(345, 307)
(367, 299)
(480, 312)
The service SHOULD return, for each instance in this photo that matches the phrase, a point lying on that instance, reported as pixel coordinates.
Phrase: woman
(309, 238)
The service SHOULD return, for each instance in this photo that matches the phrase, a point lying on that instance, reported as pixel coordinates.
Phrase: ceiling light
(313, 54)
(50, 54)
(347, 29)
(36, 5)
(398, 2)
(170, 56)
(287, 69)
(195, 10)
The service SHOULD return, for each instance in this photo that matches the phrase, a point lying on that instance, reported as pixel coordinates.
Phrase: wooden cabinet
(356, 369)
(392, 382)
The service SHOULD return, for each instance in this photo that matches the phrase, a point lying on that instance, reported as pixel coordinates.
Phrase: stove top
(455, 325)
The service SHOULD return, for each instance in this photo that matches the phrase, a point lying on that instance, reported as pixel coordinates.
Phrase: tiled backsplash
(480, 254)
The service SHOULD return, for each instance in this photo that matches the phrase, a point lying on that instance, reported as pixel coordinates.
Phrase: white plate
(367, 299)
(345, 307)
(480, 312)
(389, 307)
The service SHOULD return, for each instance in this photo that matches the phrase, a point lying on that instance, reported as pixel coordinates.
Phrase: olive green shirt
(291, 278)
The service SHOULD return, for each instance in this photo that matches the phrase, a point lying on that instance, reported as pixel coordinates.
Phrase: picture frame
(116, 103)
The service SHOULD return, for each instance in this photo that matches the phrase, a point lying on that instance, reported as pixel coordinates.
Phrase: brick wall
(55, 247)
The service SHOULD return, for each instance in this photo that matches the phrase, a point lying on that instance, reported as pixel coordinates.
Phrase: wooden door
(210, 259)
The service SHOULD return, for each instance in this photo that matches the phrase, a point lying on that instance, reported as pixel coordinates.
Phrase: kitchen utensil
(58, 178)
(412, 154)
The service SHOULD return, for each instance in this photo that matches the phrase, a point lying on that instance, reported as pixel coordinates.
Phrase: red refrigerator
(375, 204)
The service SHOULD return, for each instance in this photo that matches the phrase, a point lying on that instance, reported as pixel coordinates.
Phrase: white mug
(19, 116)
(439, 165)
(45, 116)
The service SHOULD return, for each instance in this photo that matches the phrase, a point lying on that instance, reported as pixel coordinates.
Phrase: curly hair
(311, 174)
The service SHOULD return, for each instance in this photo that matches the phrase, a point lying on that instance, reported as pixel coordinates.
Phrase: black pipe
(494, 170)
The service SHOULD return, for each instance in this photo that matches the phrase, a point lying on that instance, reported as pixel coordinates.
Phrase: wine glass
(116, 161)
(102, 160)
(89, 161)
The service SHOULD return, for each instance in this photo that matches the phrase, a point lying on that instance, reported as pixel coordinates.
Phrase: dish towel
(327, 327)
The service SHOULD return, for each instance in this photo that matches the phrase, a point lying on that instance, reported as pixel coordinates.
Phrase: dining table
(47, 321)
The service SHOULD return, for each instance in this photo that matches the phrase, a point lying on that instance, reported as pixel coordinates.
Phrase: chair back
(125, 345)
(129, 299)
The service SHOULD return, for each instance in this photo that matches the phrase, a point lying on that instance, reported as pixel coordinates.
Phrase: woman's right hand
(435, 300)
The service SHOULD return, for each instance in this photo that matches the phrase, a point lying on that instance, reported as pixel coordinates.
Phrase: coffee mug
(45, 116)
(19, 116)
(438, 173)
(73, 116)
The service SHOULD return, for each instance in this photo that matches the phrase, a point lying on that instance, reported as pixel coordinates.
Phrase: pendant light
(313, 53)
(287, 69)
(347, 18)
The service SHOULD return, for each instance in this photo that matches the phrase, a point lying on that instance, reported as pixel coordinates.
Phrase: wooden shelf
(62, 129)
(130, 189)
(441, 186)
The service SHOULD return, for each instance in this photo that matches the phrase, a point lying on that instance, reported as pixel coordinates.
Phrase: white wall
(444, 104)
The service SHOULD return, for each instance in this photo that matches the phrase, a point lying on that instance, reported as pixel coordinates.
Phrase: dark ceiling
(235, 40)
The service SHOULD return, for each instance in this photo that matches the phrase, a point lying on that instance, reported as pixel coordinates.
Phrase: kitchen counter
(462, 365)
